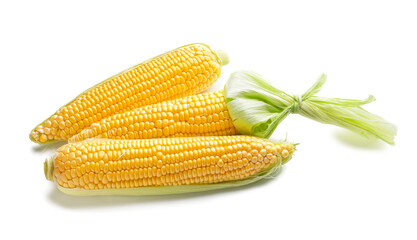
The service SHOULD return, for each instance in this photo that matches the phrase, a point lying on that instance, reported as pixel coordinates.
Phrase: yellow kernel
(166, 131)
(61, 125)
(48, 124)
(43, 138)
(158, 124)
(285, 153)
(276, 149)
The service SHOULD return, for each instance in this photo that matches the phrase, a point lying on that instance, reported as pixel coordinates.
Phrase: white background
(338, 185)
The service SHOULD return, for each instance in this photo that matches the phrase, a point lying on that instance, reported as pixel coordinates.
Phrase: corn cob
(178, 73)
(203, 114)
(163, 166)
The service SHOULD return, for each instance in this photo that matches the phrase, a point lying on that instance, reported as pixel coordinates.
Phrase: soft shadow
(355, 140)
(48, 146)
(79, 202)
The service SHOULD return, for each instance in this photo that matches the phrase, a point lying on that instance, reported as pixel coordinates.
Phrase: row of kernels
(135, 174)
(225, 132)
(153, 177)
(188, 143)
(170, 156)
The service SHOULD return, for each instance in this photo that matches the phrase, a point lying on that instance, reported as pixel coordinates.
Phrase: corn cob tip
(37, 135)
(48, 168)
(286, 150)
(33, 136)
(223, 57)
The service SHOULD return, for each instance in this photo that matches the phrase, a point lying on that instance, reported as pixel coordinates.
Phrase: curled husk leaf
(256, 108)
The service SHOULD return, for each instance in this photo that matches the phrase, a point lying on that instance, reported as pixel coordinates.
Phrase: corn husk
(256, 108)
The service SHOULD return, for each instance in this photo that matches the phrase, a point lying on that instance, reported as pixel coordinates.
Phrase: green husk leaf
(256, 108)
